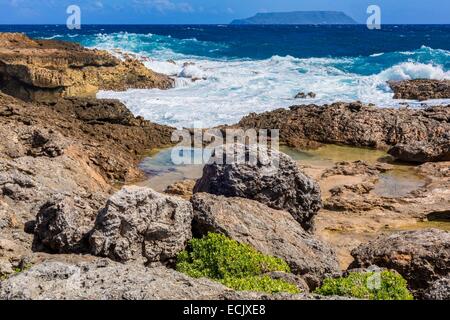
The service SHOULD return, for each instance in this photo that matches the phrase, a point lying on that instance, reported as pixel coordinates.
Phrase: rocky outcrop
(421, 257)
(76, 148)
(421, 89)
(270, 231)
(141, 225)
(361, 125)
(46, 69)
(272, 180)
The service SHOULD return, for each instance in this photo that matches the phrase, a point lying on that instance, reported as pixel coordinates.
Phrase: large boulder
(62, 225)
(270, 231)
(274, 180)
(421, 257)
(139, 224)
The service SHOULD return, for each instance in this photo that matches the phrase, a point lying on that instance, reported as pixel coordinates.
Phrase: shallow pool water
(400, 181)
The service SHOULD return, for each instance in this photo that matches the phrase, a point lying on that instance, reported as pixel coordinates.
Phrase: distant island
(298, 17)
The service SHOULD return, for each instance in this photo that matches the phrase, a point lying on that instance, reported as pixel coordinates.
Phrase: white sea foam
(410, 70)
(231, 89)
(54, 37)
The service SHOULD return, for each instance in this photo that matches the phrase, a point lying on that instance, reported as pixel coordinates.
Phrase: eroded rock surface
(360, 125)
(439, 290)
(421, 89)
(421, 257)
(46, 69)
(423, 151)
(279, 184)
(107, 280)
(62, 225)
(139, 224)
(270, 231)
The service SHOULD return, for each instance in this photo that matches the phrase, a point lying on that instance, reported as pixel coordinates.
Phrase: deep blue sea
(242, 69)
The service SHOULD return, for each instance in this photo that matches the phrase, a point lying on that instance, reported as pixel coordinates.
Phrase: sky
(212, 11)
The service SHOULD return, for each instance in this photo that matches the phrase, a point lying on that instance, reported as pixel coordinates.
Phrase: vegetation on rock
(235, 265)
(385, 285)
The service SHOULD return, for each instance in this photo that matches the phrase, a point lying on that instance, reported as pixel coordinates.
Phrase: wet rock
(62, 225)
(346, 168)
(420, 152)
(439, 290)
(270, 231)
(275, 181)
(302, 95)
(37, 70)
(421, 257)
(139, 224)
(358, 198)
(421, 89)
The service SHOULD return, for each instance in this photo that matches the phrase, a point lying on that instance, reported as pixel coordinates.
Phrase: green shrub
(261, 284)
(238, 266)
(385, 285)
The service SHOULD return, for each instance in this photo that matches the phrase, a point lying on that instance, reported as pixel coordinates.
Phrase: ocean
(244, 69)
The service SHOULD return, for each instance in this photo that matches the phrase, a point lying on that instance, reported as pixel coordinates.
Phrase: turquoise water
(225, 72)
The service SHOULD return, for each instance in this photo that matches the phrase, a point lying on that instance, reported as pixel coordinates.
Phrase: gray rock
(277, 183)
(302, 95)
(439, 290)
(270, 231)
(107, 280)
(142, 225)
(62, 225)
(421, 257)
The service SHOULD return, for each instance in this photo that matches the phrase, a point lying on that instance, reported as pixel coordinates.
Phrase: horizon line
(219, 24)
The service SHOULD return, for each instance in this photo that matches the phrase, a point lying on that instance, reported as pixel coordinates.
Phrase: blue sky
(212, 11)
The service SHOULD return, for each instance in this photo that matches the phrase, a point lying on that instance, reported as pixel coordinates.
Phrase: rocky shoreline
(414, 135)
(69, 229)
